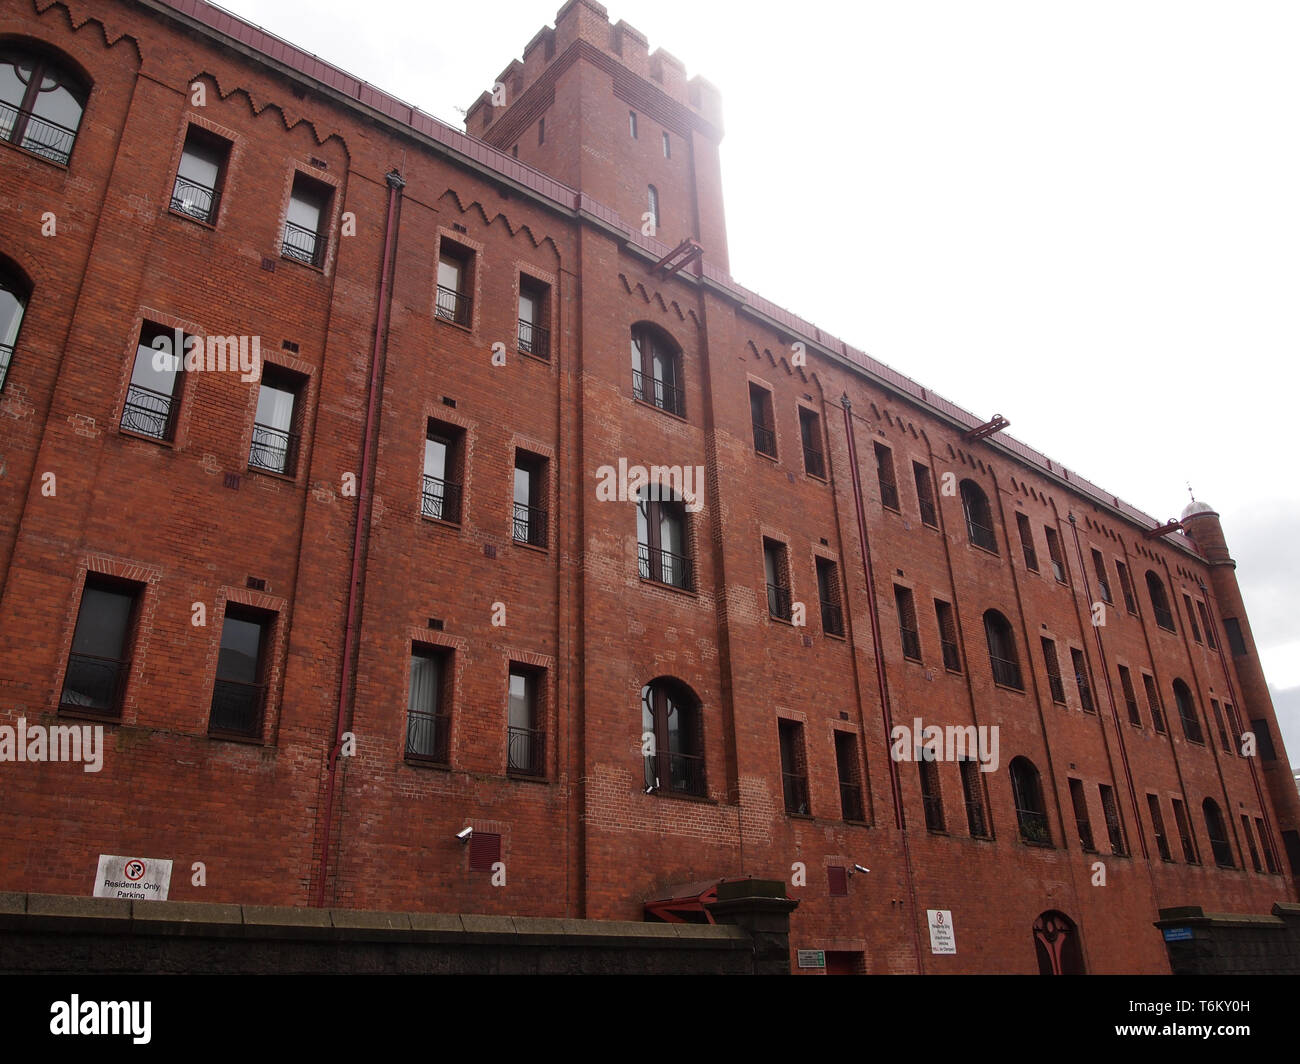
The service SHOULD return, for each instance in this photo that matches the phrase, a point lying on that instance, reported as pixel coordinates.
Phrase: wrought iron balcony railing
(764, 440)
(851, 802)
(982, 535)
(796, 793)
(196, 200)
(832, 618)
(951, 656)
(1057, 688)
(911, 644)
(149, 413)
(1033, 826)
(530, 525)
(778, 602)
(929, 516)
(814, 463)
(454, 306)
(428, 737)
(38, 135)
(889, 494)
(1007, 673)
(236, 708)
(933, 806)
(302, 244)
(658, 393)
(6, 356)
(1134, 716)
(274, 449)
(440, 500)
(665, 567)
(94, 685)
(534, 340)
(1085, 835)
(526, 748)
(679, 773)
(1222, 852)
(1058, 571)
(1164, 618)
(1085, 693)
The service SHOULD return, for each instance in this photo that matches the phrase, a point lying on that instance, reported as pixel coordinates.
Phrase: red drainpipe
(395, 186)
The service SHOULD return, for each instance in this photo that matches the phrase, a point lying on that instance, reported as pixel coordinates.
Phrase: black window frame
(206, 200)
(238, 695)
(46, 63)
(428, 734)
(297, 242)
(652, 549)
(687, 775)
(647, 341)
(97, 670)
(270, 441)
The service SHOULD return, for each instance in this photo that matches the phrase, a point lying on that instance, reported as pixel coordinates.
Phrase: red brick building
(400, 577)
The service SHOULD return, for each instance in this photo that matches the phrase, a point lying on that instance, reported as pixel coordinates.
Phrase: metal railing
(530, 525)
(1057, 688)
(1058, 571)
(665, 567)
(951, 656)
(764, 440)
(1104, 587)
(149, 413)
(1162, 844)
(193, 199)
(1222, 852)
(814, 463)
(778, 602)
(1116, 834)
(302, 244)
(440, 500)
(976, 822)
(889, 494)
(929, 515)
(1158, 717)
(1189, 851)
(236, 708)
(933, 806)
(525, 751)
(851, 806)
(1191, 727)
(832, 618)
(661, 394)
(453, 306)
(1130, 603)
(428, 736)
(982, 535)
(1163, 617)
(274, 449)
(1085, 834)
(534, 340)
(1007, 673)
(94, 685)
(1085, 692)
(1033, 826)
(1031, 557)
(911, 643)
(679, 773)
(796, 793)
(1134, 714)
(6, 356)
(39, 135)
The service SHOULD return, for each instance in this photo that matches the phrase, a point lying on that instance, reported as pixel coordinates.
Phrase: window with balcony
(1130, 696)
(1154, 704)
(444, 450)
(760, 413)
(657, 370)
(776, 570)
(1053, 663)
(534, 318)
(1083, 823)
(200, 175)
(525, 734)
(905, 604)
(1054, 554)
(885, 477)
(925, 495)
(99, 661)
(1126, 588)
(931, 795)
(305, 236)
(979, 516)
(1114, 824)
(277, 426)
(153, 397)
(1103, 581)
(1158, 827)
(670, 715)
(14, 293)
(662, 540)
(1003, 659)
(455, 297)
(428, 713)
(1027, 542)
(849, 773)
(41, 103)
(1160, 602)
(1218, 832)
(239, 694)
(794, 768)
(972, 790)
(531, 484)
(1187, 713)
(1191, 618)
(810, 435)
(1080, 665)
(1185, 836)
(828, 594)
(947, 621)
(1027, 793)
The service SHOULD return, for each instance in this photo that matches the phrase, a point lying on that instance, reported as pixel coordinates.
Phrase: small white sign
(136, 878)
(942, 939)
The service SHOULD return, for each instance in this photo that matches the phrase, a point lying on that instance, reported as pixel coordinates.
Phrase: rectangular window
(760, 413)
(657, 371)
(200, 175)
(1158, 826)
(1126, 586)
(850, 777)
(541, 132)
(948, 635)
(661, 543)
(1130, 696)
(1154, 704)
(240, 690)
(1053, 664)
(444, 451)
(1224, 741)
(1185, 832)
(1080, 802)
(1027, 542)
(1103, 581)
(931, 798)
(153, 397)
(794, 771)
(1266, 844)
(525, 737)
(428, 718)
(810, 434)
(776, 569)
(652, 204)
(1236, 641)
(1205, 623)
(668, 147)
(534, 318)
(1191, 617)
(631, 123)
(828, 592)
(530, 499)
(1054, 553)
(277, 424)
(1114, 825)
(1080, 664)
(1263, 739)
(906, 606)
(885, 474)
(925, 495)
(455, 300)
(1250, 841)
(99, 661)
(304, 226)
(972, 792)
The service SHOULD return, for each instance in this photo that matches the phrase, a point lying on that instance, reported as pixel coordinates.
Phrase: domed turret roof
(1194, 507)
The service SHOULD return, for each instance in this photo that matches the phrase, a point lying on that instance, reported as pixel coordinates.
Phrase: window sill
(835, 635)
(983, 550)
(440, 521)
(533, 547)
(938, 831)
(662, 409)
(770, 457)
(645, 580)
(415, 761)
(1042, 845)
(209, 226)
(1007, 687)
(799, 816)
(679, 796)
(453, 323)
(545, 361)
(235, 737)
(519, 776)
(285, 477)
(914, 661)
(781, 620)
(169, 444)
(926, 524)
(305, 265)
(814, 476)
(65, 167)
(891, 509)
(953, 672)
(82, 713)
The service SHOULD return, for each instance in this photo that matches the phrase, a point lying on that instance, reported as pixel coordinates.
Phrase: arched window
(1187, 712)
(1003, 658)
(652, 197)
(14, 292)
(672, 732)
(979, 517)
(1027, 792)
(1159, 601)
(1218, 833)
(41, 101)
(657, 369)
(1056, 941)
(662, 544)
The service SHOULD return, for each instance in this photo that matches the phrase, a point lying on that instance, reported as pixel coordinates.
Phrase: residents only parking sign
(136, 878)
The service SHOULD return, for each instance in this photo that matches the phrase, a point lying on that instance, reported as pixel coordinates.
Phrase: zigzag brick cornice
(78, 22)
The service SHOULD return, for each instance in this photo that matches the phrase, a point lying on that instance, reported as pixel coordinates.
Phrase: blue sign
(1178, 934)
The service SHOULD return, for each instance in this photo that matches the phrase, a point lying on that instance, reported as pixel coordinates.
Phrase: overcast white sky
(1082, 216)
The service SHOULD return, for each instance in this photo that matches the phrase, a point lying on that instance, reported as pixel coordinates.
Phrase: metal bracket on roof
(687, 251)
(1169, 526)
(981, 432)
